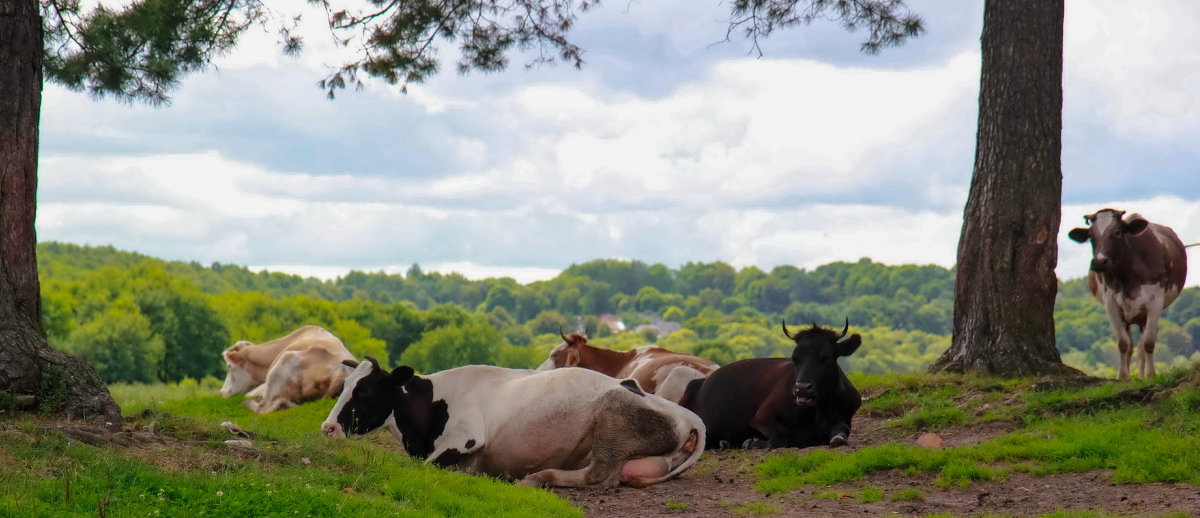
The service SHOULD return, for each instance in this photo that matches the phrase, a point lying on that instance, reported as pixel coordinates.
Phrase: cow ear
(572, 358)
(1136, 226)
(1079, 235)
(401, 375)
(848, 346)
(350, 363)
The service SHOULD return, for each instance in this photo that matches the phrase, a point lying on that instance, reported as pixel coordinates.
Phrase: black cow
(805, 400)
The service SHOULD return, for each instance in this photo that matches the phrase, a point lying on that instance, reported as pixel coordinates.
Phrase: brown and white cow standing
(303, 366)
(1138, 269)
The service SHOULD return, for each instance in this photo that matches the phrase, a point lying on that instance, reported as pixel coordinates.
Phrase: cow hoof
(756, 444)
(838, 441)
(723, 445)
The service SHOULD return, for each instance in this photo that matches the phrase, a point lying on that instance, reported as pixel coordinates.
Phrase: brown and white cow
(303, 366)
(564, 427)
(656, 370)
(1138, 269)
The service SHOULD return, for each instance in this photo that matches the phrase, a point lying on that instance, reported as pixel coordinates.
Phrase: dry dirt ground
(722, 484)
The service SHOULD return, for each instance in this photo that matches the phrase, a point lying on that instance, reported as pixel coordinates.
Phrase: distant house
(661, 327)
(614, 324)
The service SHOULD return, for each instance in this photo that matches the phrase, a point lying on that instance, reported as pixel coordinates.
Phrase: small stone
(931, 441)
(305, 461)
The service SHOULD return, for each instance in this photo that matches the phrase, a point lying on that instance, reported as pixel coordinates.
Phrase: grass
(1105, 426)
(677, 506)
(293, 469)
(870, 494)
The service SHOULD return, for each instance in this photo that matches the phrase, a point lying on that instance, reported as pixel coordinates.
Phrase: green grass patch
(755, 509)
(677, 506)
(870, 494)
(1094, 427)
(293, 470)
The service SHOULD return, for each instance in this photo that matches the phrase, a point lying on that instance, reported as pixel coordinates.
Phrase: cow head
(1108, 233)
(565, 354)
(238, 378)
(815, 357)
(368, 398)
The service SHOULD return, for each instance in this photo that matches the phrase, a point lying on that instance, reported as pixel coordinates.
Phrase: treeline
(139, 318)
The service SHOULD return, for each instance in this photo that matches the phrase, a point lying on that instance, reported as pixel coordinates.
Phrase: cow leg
(1149, 336)
(1124, 341)
(585, 477)
(258, 391)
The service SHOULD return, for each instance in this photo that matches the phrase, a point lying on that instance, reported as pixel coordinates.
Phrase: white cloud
(1137, 67)
(754, 130)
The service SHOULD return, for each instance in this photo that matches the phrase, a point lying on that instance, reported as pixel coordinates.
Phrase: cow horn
(587, 332)
(373, 361)
(785, 330)
(560, 333)
(845, 332)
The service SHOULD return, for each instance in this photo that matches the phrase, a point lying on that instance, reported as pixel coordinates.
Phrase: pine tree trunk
(1005, 285)
(28, 365)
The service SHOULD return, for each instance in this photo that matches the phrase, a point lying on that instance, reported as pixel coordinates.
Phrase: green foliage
(473, 342)
(902, 312)
(141, 49)
(119, 342)
(52, 390)
(48, 476)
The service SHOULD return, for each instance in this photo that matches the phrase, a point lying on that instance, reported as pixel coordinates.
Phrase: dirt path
(722, 484)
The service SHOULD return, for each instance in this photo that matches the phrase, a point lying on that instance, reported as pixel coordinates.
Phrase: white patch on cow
(641, 357)
(549, 363)
(501, 409)
(671, 381)
(238, 380)
(330, 424)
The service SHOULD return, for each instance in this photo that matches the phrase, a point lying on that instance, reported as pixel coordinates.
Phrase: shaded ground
(722, 484)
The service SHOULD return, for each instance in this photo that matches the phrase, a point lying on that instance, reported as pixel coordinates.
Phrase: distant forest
(137, 318)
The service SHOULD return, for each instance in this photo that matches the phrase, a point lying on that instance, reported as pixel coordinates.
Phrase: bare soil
(722, 484)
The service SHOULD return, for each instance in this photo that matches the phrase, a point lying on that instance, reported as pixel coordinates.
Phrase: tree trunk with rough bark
(1005, 285)
(57, 381)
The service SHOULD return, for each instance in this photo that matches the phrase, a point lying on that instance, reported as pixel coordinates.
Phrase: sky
(668, 146)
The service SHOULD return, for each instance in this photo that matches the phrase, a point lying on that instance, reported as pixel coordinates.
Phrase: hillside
(138, 318)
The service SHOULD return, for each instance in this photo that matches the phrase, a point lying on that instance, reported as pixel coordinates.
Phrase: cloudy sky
(665, 147)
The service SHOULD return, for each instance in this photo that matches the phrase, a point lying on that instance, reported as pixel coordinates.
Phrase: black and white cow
(563, 427)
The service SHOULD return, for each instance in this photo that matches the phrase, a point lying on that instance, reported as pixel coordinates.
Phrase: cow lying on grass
(656, 370)
(303, 366)
(564, 427)
(805, 400)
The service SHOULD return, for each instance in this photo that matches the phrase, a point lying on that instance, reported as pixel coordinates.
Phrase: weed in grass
(677, 506)
(870, 494)
(52, 390)
(826, 495)
(907, 494)
(755, 509)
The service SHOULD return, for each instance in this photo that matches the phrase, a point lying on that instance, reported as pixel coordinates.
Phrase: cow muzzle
(332, 429)
(1101, 265)
(805, 393)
